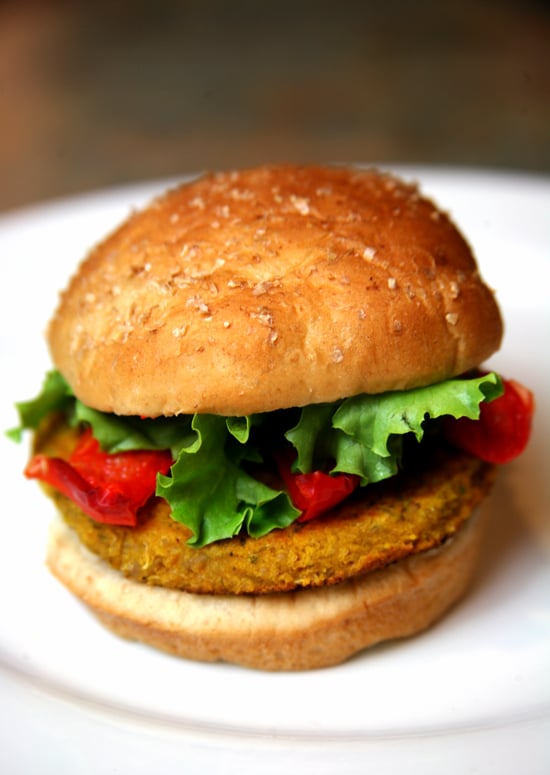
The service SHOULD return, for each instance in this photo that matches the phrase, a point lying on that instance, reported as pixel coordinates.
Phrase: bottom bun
(301, 630)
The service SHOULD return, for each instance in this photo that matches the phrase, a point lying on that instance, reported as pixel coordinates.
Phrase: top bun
(280, 286)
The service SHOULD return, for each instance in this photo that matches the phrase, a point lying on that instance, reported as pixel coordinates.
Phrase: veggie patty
(415, 511)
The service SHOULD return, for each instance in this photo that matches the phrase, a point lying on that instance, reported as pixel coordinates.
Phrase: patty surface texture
(415, 511)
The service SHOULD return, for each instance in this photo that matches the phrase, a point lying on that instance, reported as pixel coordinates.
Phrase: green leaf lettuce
(210, 488)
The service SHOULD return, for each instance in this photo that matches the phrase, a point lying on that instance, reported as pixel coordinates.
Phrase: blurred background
(95, 94)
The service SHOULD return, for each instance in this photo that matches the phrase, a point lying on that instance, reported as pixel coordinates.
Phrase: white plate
(472, 694)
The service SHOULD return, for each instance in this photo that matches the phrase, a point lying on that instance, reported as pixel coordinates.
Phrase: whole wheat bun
(300, 630)
(279, 286)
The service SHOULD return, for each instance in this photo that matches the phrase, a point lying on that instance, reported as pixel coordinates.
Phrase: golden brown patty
(406, 515)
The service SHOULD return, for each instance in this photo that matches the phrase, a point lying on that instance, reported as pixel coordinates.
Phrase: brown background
(95, 94)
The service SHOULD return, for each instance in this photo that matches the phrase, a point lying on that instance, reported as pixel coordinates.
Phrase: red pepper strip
(317, 492)
(110, 488)
(503, 429)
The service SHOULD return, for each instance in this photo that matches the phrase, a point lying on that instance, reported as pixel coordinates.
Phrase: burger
(267, 429)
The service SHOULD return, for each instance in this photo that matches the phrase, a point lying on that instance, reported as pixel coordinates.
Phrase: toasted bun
(286, 631)
(273, 287)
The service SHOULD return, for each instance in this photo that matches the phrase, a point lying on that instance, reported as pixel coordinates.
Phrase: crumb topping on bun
(246, 292)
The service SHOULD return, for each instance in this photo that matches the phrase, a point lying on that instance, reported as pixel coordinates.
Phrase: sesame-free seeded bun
(280, 286)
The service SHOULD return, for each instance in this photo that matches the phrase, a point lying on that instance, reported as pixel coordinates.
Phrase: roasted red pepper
(317, 492)
(503, 428)
(108, 487)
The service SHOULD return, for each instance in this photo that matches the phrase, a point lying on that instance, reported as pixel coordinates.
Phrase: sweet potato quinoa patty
(409, 514)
